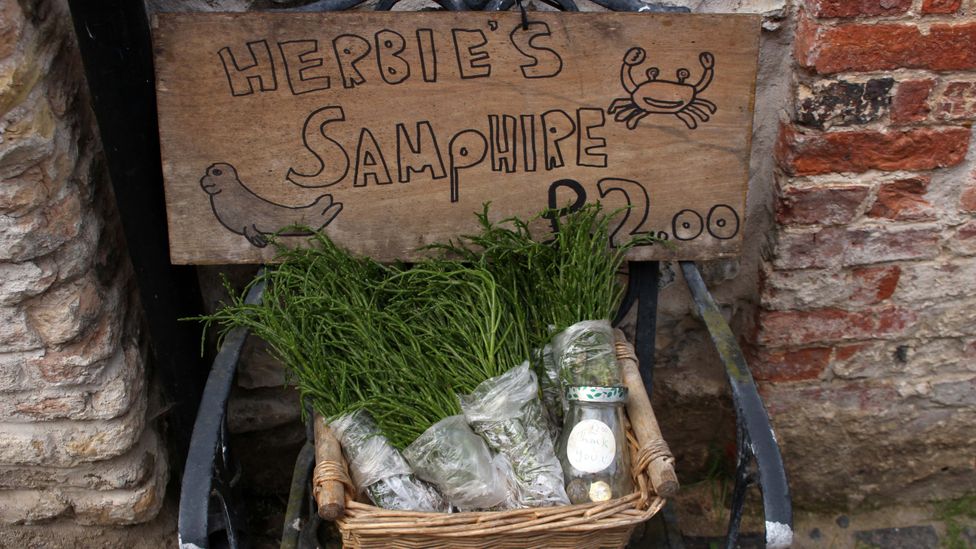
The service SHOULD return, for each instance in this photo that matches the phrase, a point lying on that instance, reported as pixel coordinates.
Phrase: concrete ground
(698, 510)
(952, 525)
(160, 532)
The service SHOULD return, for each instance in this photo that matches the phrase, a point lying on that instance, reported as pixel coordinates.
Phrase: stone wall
(866, 335)
(75, 441)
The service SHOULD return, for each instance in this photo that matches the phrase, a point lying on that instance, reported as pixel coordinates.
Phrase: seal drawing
(658, 96)
(245, 213)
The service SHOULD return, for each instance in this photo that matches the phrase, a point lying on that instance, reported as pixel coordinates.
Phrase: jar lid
(597, 394)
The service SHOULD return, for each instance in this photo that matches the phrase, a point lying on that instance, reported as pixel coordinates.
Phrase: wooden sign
(390, 130)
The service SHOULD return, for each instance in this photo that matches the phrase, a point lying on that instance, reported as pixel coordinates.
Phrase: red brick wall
(866, 334)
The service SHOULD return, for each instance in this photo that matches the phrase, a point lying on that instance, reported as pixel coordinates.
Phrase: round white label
(591, 446)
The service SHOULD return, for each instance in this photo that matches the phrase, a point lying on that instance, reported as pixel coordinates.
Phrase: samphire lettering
(506, 143)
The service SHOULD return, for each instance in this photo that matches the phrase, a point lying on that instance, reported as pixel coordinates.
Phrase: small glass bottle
(593, 446)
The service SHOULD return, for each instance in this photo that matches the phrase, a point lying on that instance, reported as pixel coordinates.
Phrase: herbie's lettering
(307, 67)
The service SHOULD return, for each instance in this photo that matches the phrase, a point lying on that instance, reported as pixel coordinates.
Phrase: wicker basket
(607, 524)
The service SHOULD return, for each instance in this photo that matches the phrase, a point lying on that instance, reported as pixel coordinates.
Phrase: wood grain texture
(329, 493)
(390, 130)
(659, 466)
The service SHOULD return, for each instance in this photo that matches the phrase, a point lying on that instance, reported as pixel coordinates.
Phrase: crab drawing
(653, 96)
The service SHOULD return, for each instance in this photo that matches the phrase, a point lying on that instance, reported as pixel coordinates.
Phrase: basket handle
(653, 454)
(330, 478)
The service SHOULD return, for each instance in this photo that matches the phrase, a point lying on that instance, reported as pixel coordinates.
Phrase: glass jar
(593, 446)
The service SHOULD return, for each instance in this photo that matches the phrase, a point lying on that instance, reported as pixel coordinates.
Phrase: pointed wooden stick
(653, 450)
(329, 477)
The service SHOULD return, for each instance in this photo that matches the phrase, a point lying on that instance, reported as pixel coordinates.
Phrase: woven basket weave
(606, 524)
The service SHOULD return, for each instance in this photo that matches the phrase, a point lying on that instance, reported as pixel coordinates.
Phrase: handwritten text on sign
(389, 131)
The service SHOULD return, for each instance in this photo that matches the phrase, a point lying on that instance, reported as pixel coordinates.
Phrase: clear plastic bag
(379, 470)
(457, 461)
(585, 355)
(551, 388)
(506, 411)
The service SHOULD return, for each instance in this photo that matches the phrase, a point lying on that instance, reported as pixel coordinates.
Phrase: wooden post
(661, 466)
(330, 493)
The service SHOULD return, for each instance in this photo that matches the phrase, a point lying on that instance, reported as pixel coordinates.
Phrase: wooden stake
(330, 472)
(660, 468)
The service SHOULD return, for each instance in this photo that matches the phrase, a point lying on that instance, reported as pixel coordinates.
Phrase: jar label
(591, 446)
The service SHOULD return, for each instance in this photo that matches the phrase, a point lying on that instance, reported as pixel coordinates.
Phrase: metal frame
(756, 444)
(114, 39)
(210, 501)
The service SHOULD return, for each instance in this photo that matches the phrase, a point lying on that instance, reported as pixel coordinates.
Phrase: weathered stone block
(129, 506)
(19, 281)
(875, 245)
(901, 359)
(957, 393)
(963, 242)
(957, 102)
(941, 6)
(69, 443)
(63, 312)
(843, 103)
(967, 200)
(846, 289)
(833, 205)
(125, 472)
(807, 249)
(43, 230)
(18, 78)
(43, 405)
(885, 46)
(937, 281)
(75, 257)
(26, 506)
(11, 27)
(956, 318)
(12, 376)
(895, 449)
(856, 8)
(29, 135)
(860, 151)
(910, 103)
(808, 328)
(789, 365)
(123, 384)
(258, 369)
(903, 200)
(261, 409)
(83, 360)
(24, 192)
(16, 333)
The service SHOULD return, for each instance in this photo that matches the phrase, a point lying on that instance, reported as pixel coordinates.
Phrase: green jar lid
(597, 394)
